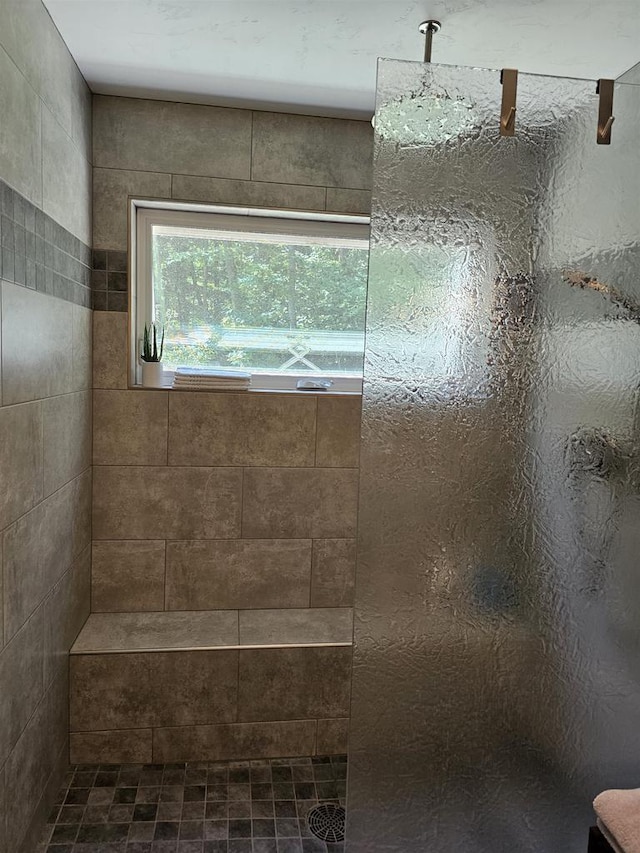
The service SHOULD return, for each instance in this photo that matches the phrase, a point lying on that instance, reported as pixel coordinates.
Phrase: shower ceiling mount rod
(428, 28)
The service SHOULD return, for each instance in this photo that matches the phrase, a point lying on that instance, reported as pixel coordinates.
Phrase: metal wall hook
(509, 80)
(428, 28)
(605, 111)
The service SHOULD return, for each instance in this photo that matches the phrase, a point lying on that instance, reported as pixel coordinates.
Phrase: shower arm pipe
(428, 29)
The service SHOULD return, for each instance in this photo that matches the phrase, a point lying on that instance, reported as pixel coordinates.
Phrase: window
(278, 294)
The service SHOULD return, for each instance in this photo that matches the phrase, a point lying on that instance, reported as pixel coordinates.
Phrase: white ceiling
(319, 56)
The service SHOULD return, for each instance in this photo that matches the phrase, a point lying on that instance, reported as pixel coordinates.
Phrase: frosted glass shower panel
(497, 661)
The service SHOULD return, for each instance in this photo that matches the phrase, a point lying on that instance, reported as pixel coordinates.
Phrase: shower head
(428, 29)
(421, 118)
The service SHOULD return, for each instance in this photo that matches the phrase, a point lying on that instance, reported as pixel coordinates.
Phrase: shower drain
(326, 822)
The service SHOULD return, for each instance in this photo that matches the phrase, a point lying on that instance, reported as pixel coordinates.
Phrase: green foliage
(216, 285)
(150, 344)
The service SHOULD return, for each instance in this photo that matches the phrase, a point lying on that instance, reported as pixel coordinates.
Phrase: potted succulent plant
(152, 370)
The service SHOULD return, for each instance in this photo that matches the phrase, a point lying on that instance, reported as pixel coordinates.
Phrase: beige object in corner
(619, 813)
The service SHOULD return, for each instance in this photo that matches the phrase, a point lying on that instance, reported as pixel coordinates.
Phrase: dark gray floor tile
(216, 847)
(216, 830)
(141, 831)
(194, 808)
(71, 814)
(191, 830)
(240, 846)
(64, 833)
(312, 845)
(145, 812)
(265, 845)
(166, 831)
(194, 793)
(216, 810)
(287, 828)
(263, 828)
(239, 828)
(262, 808)
(289, 845)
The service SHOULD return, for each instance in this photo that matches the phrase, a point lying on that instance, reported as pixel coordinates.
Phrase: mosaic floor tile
(232, 807)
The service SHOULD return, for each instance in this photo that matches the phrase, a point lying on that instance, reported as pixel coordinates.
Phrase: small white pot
(152, 374)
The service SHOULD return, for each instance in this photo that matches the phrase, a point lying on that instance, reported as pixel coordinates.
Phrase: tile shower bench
(210, 685)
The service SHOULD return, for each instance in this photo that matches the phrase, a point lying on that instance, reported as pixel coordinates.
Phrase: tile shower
(75, 437)
(496, 667)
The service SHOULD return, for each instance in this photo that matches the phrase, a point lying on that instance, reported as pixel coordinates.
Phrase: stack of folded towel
(209, 379)
(618, 815)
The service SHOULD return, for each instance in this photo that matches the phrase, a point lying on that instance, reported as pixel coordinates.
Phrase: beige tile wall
(45, 407)
(227, 500)
(46, 117)
(209, 501)
(266, 703)
(219, 155)
(45, 542)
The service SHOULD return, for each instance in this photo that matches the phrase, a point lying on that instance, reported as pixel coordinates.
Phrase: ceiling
(319, 56)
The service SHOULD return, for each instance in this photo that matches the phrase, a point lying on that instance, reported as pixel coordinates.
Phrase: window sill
(285, 391)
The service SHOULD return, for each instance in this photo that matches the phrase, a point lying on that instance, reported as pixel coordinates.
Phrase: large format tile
(306, 626)
(20, 134)
(129, 746)
(37, 359)
(67, 438)
(299, 503)
(111, 190)
(238, 574)
(196, 139)
(139, 690)
(349, 201)
(115, 632)
(248, 429)
(110, 366)
(37, 48)
(21, 673)
(33, 762)
(338, 439)
(82, 321)
(235, 741)
(294, 684)
(128, 575)
(81, 523)
(41, 545)
(42, 812)
(130, 427)
(333, 737)
(65, 612)
(66, 179)
(333, 572)
(298, 149)
(253, 193)
(166, 503)
(38, 549)
(20, 460)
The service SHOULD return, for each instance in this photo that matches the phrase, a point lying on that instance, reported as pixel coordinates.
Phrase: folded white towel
(210, 372)
(618, 813)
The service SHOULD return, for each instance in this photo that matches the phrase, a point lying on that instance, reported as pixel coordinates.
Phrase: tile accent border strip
(110, 280)
(38, 253)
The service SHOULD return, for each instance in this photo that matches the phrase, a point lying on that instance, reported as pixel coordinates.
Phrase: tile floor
(232, 807)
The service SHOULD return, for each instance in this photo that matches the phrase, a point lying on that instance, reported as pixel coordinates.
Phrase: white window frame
(144, 214)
